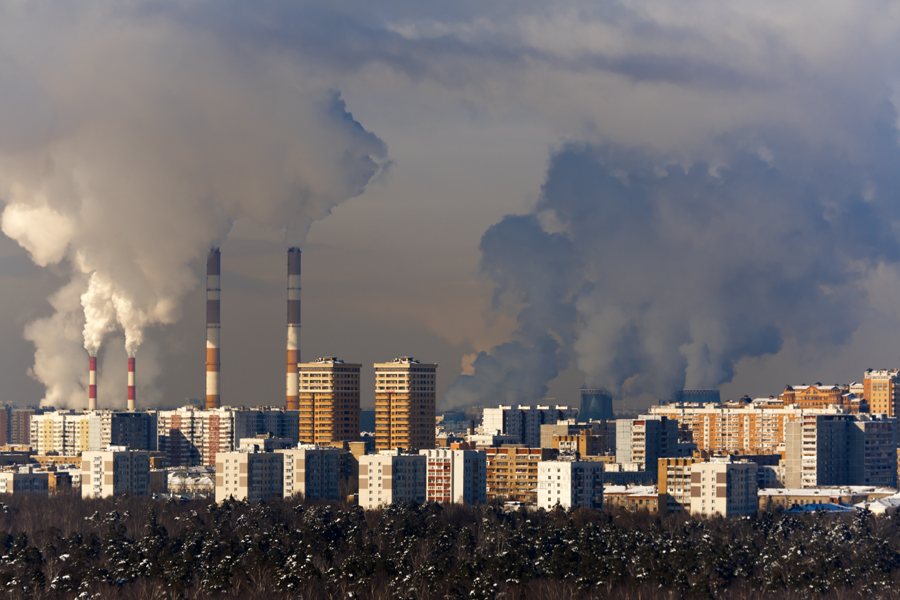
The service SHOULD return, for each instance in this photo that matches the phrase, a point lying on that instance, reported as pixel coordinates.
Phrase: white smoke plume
(138, 140)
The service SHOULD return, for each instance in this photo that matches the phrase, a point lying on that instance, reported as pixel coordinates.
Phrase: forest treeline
(65, 547)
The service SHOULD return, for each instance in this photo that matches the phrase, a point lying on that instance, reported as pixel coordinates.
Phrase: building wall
(312, 472)
(512, 473)
(251, 476)
(35, 484)
(570, 484)
(390, 477)
(674, 484)
(458, 476)
(881, 388)
(329, 401)
(723, 488)
(115, 473)
(405, 404)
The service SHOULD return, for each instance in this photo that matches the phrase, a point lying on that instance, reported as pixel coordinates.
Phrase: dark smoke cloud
(657, 276)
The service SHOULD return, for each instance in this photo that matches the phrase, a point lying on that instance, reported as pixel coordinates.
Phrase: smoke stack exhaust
(131, 383)
(213, 328)
(293, 330)
(92, 384)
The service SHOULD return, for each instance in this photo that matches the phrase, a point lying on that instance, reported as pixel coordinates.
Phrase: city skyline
(620, 197)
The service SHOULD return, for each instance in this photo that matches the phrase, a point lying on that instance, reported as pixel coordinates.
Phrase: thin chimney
(293, 330)
(92, 384)
(131, 394)
(213, 328)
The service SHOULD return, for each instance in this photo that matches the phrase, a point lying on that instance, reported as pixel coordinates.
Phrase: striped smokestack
(92, 384)
(131, 383)
(293, 329)
(213, 327)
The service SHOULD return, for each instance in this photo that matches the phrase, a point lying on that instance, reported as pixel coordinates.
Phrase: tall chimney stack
(213, 328)
(92, 385)
(293, 330)
(131, 384)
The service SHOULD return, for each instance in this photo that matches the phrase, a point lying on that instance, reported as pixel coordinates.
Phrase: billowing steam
(137, 142)
(655, 276)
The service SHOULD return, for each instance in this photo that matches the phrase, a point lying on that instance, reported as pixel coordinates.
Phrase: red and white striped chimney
(131, 393)
(293, 330)
(213, 328)
(92, 384)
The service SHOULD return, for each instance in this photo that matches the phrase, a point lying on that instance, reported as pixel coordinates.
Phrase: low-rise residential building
(850, 494)
(632, 498)
(390, 477)
(249, 475)
(25, 481)
(512, 472)
(115, 471)
(457, 474)
(570, 484)
(312, 471)
(723, 487)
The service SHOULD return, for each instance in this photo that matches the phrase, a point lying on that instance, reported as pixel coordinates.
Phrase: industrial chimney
(213, 328)
(293, 329)
(131, 384)
(92, 384)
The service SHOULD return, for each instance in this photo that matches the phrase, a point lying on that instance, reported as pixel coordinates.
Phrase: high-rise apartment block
(723, 487)
(512, 473)
(115, 472)
(524, 422)
(71, 433)
(405, 404)
(312, 472)
(643, 441)
(456, 475)
(881, 388)
(837, 449)
(674, 484)
(570, 484)
(391, 477)
(251, 476)
(329, 401)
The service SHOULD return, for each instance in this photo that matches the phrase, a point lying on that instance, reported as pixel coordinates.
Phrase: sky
(639, 197)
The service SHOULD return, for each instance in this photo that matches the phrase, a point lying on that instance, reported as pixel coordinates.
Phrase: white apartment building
(723, 487)
(570, 484)
(115, 472)
(312, 471)
(251, 476)
(456, 475)
(25, 481)
(390, 477)
(71, 433)
(524, 422)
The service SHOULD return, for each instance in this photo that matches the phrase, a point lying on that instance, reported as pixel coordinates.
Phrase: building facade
(643, 441)
(329, 401)
(25, 481)
(405, 404)
(312, 471)
(251, 476)
(881, 389)
(115, 472)
(570, 484)
(456, 475)
(390, 477)
(723, 487)
(512, 473)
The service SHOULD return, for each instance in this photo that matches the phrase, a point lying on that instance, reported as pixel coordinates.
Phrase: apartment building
(329, 401)
(405, 404)
(312, 471)
(833, 450)
(754, 428)
(115, 472)
(674, 484)
(457, 474)
(570, 484)
(189, 436)
(823, 396)
(524, 422)
(263, 442)
(881, 388)
(15, 425)
(391, 477)
(251, 476)
(596, 438)
(512, 472)
(723, 487)
(25, 480)
(643, 441)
